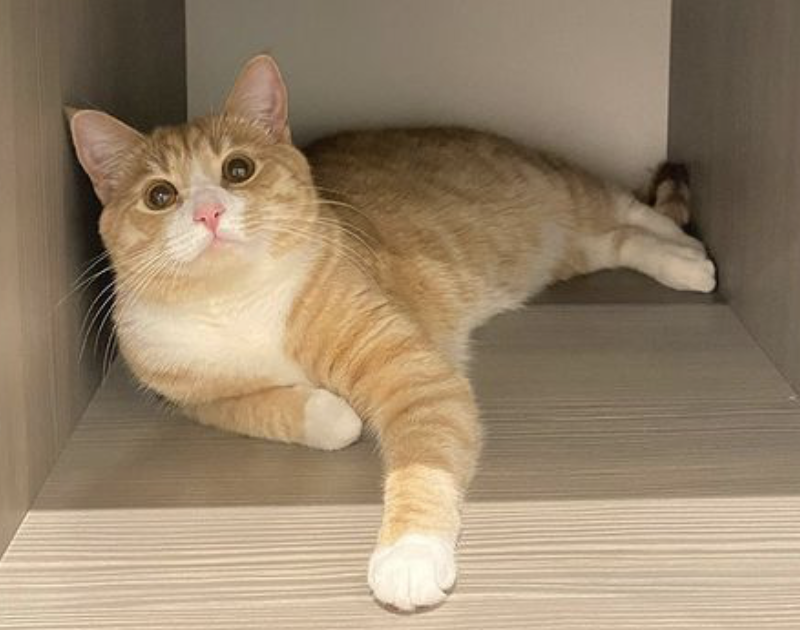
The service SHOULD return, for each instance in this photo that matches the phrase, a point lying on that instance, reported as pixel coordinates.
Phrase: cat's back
(427, 164)
(417, 187)
(462, 221)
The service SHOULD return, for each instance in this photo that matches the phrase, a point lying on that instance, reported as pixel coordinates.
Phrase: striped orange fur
(340, 285)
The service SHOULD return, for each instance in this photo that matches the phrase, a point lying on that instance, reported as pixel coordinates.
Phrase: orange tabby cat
(293, 297)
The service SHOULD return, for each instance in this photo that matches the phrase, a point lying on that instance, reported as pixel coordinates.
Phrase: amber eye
(238, 169)
(160, 195)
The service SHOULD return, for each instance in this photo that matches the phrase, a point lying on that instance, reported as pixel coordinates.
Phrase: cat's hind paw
(685, 269)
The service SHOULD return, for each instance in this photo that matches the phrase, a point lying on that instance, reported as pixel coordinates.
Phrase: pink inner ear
(100, 140)
(259, 94)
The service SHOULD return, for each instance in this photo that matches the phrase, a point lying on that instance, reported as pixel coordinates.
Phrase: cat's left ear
(259, 94)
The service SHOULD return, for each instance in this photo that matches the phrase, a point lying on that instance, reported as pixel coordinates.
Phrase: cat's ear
(259, 94)
(101, 141)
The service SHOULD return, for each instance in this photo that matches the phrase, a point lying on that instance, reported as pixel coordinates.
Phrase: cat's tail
(669, 192)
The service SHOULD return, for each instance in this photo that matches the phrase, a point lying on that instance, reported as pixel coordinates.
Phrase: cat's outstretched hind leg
(681, 266)
(650, 238)
(667, 211)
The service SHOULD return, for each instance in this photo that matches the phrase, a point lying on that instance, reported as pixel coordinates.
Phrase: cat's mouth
(219, 247)
(220, 240)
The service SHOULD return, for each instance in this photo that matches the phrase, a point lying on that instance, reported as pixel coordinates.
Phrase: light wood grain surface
(641, 471)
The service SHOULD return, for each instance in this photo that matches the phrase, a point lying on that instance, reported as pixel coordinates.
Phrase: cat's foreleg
(429, 437)
(426, 422)
(412, 398)
(299, 414)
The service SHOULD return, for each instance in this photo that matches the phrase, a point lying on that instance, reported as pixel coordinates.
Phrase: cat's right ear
(101, 141)
(259, 95)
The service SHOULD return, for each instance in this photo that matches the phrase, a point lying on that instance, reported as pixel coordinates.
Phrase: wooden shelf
(642, 470)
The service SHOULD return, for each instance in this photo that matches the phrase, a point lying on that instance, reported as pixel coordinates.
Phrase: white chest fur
(239, 335)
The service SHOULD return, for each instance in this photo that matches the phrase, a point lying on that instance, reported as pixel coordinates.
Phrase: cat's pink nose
(209, 214)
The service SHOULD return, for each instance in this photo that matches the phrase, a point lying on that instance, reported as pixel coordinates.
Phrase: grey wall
(587, 78)
(127, 57)
(735, 118)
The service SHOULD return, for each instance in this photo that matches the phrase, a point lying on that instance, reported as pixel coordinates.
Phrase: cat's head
(203, 200)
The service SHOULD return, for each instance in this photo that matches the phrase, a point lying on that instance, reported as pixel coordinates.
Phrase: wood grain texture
(734, 98)
(14, 497)
(640, 472)
(54, 52)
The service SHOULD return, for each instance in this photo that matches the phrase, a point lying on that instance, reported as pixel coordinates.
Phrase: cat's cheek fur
(330, 423)
(415, 571)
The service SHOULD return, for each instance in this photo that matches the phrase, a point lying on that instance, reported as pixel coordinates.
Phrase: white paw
(413, 572)
(330, 423)
(693, 247)
(684, 270)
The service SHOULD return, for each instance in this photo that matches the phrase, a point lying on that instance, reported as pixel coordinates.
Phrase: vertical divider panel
(13, 430)
(734, 103)
(129, 59)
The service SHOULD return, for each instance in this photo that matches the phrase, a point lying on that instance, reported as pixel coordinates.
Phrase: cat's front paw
(414, 572)
(330, 423)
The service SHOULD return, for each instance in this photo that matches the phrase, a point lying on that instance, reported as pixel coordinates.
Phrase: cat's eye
(160, 195)
(238, 168)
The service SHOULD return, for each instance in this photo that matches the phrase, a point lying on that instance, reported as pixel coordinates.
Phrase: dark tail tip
(668, 172)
